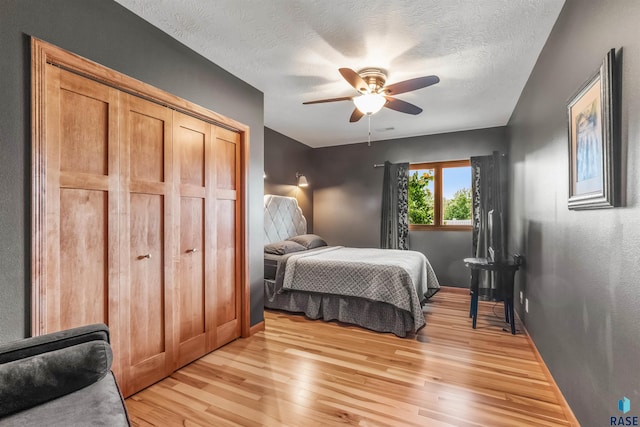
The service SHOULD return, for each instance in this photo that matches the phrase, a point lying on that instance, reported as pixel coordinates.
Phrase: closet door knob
(147, 256)
(190, 251)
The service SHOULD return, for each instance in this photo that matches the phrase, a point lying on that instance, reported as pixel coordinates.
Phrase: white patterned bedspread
(401, 278)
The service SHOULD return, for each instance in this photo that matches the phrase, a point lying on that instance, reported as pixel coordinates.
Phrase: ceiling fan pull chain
(369, 143)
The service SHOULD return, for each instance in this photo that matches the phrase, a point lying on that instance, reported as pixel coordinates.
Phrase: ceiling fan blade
(355, 116)
(402, 106)
(409, 85)
(354, 80)
(320, 101)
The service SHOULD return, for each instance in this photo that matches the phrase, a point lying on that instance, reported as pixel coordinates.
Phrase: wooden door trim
(52, 54)
(38, 184)
(43, 53)
(258, 327)
(243, 200)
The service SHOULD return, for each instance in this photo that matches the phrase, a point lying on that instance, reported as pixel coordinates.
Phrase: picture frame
(594, 140)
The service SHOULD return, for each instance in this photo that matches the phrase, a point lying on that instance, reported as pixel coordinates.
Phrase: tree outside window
(440, 196)
(421, 202)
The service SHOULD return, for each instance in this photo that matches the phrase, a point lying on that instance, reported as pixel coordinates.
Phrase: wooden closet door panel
(147, 272)
(193, 142)
(84, 145)
(195, 283)
(225, 262)
(84, 248)
(149, 135)
(192, 280)
(146, 282)
(81, 181)
(228, 236)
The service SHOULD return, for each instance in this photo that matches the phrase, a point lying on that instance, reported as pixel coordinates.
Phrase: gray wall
(104, 32)
(348, 193)
(582, 269)
(283, 157)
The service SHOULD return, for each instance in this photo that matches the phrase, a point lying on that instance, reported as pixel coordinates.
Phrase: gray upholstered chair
(60, 379)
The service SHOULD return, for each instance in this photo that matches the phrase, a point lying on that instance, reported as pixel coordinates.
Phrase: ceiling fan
(374, 95)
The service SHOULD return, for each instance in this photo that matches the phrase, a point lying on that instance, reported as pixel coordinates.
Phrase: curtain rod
(381, 165)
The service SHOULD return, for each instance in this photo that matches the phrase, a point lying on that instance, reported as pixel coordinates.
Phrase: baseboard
(565, 406)
(455, 289)
(256, 328)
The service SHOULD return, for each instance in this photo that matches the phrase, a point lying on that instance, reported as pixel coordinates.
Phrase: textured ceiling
(483, 52)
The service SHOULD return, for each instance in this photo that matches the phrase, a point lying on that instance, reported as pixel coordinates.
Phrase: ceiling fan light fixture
(375, 94)
(369, 103)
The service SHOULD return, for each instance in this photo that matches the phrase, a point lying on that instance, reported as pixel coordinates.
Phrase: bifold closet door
(81, 207)
(228, 236)
(146, 242)
(135, 211)
(195, 297)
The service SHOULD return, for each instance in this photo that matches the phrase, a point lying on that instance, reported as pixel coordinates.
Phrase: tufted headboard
(282, 218)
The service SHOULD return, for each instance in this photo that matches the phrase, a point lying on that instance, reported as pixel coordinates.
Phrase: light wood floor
(300, 372)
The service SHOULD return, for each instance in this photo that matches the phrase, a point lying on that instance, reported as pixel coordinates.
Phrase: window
(440, 196)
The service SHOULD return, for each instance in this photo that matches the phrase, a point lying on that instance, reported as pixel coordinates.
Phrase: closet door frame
(43, 53)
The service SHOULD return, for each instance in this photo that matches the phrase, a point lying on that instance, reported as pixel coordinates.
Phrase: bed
(378, 289)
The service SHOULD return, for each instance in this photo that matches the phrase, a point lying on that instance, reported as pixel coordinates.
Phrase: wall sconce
(302, 180)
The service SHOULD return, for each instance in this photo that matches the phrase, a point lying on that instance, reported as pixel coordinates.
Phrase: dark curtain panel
(488, 186)
(394, 225)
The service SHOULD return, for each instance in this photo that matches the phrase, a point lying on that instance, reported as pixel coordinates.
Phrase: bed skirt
(373, 315)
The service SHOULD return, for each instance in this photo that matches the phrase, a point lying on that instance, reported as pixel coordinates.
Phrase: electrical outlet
(526, 305)
(521, 296)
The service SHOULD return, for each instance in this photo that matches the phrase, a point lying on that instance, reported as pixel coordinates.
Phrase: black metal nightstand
(506, 272)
